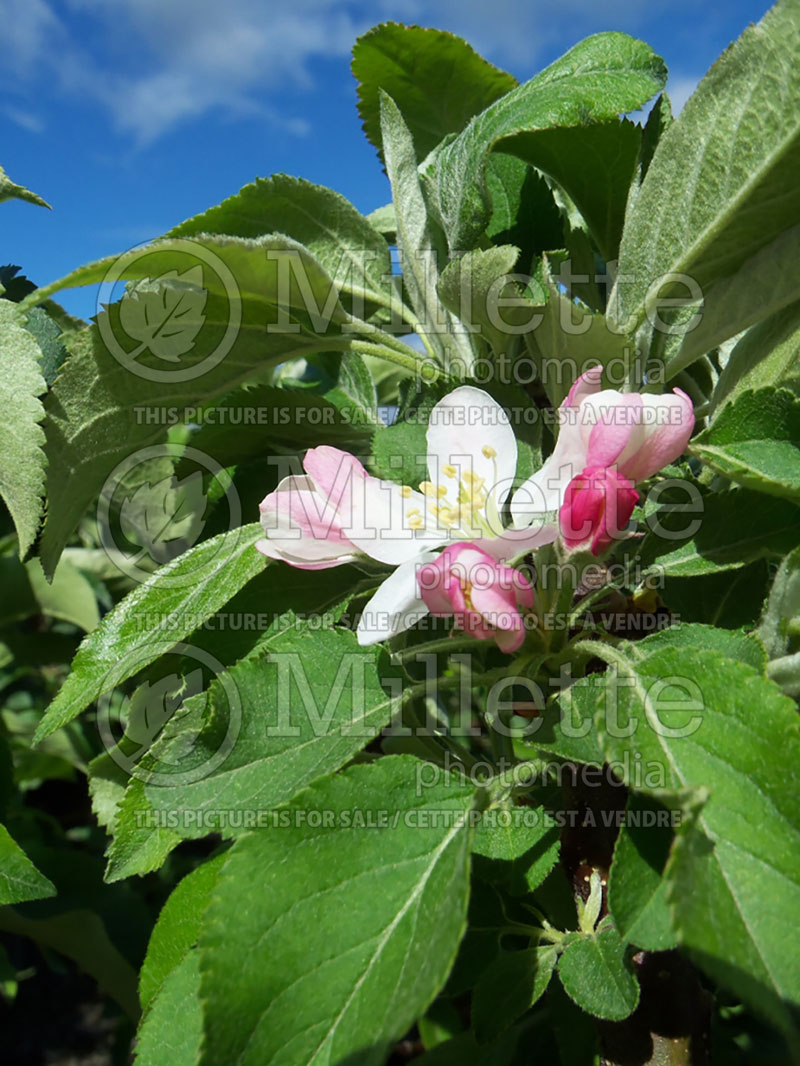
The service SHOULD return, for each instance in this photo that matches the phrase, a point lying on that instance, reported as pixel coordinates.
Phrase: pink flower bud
(597, 507)
(484, 596)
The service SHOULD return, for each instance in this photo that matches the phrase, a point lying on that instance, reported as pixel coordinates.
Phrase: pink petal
(268, 548)
(597, 506)
(302, 528)
(331, 470)
(663, 440)
(586, 385)
(431, 586)
(495, 608)
(618, 416)
(510, 640)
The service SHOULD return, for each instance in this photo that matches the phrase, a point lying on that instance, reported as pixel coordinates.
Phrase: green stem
(408, 359)
(446, 644)
(381, 336)
(405, 312)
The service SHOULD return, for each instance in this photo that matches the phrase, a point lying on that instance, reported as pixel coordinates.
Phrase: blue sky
(131, 115)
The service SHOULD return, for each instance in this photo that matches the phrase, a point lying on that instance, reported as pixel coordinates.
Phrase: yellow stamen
(405, 491)
(427, 488)
(416, 523)
(488, 452)
(449, 470)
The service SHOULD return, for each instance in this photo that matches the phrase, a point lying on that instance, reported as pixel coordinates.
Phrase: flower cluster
(337, 512)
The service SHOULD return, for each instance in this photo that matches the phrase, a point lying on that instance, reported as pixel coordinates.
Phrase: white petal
(375, 517)
(520, 541)
(396, 605)
(544, 491)
(461, 425)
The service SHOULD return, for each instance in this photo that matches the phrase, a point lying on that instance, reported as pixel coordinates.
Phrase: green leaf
(384, 220)
(744, 647)
(81, 935)
(723, 598)
(15, 286)
(594, 164)
(512, 984)
(437, 80)
(762, 287)
(47, 331)
(243, 423)
(658, 121)
(725, 531)
(637, 892)
(595, 81)
(267, 300)
(472, 286)
(392, 903)
(172, 1029)
(140, 841)
(570, 339)
(180, 595)
(22, 470)
(524, 212)
(441, 1022)
(710, 723)
(566, 726)
(356, 389)
(768, 354)
(352, 252)
(9, 190)
(232, 270)
(463, 1050)
(415, 243)
(596, 974)
(756, 441)
(722, 183)
(518, 857)
(400, 452)
(782, 607)
(307, 700)
(69, 597)
(19, 878)
(178, 927)
(575, 1031)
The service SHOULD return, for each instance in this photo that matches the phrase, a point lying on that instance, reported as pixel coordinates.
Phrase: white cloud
(27, 120)
(153, 64)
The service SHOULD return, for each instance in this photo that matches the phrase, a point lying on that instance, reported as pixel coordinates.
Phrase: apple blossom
(636, 433)
(482, 594)
(338, 512)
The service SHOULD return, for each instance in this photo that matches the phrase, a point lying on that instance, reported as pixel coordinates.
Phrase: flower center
(459, 502)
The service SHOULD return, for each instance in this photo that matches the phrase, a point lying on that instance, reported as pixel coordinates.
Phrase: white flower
(471, 460)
